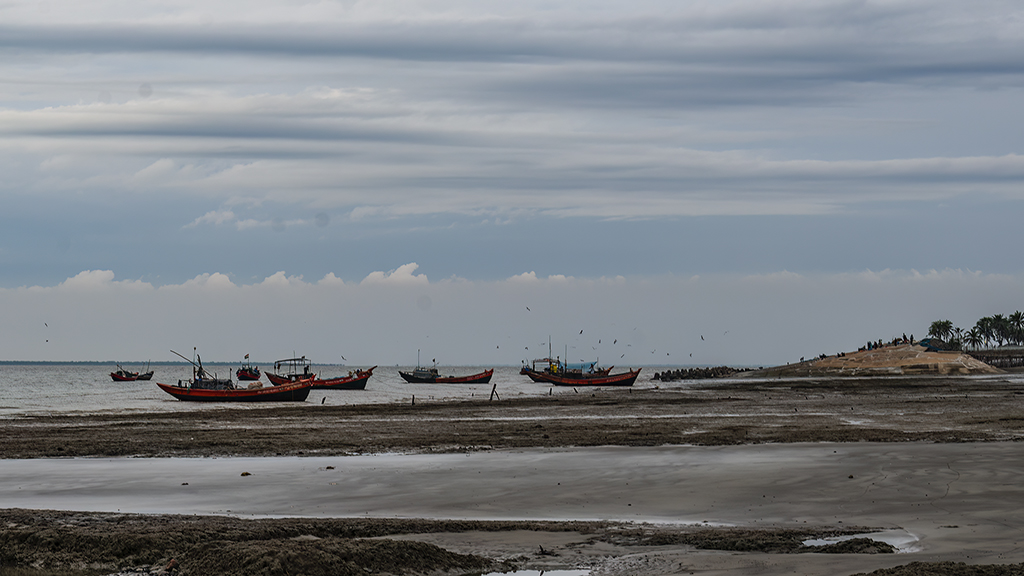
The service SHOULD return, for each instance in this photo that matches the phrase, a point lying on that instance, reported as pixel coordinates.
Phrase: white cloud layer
(753, 320)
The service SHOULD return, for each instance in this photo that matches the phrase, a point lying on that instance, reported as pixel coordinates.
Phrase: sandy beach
(704, 477)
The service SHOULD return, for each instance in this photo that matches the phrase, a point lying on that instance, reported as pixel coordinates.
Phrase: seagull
(623, 356)
(616, 341)
(701, 336)
(45, 324)
(528, 309)
(581, 331)
(346, 360)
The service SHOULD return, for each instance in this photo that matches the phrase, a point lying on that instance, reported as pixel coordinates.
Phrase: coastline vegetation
(999, 329)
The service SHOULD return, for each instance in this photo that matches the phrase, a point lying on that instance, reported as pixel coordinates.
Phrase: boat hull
(247, 374)
(624, 379)
(356, 381)
(146, 376)
(291, 392)
(481, 378)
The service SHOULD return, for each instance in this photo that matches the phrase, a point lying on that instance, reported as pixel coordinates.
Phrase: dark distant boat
(290, 370)
(204, 387)
(122, 375)
(431, 376)
(356, 380)
(424, 375)
(248, 371)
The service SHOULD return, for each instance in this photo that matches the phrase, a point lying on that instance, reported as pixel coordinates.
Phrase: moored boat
(623, 379)
(356, 380)
(431, 376)
(247, 371)
(290, 370)
(291, 392)
(122, 375)
(204, 387)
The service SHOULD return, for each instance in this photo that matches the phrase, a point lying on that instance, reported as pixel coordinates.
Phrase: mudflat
(707, 477)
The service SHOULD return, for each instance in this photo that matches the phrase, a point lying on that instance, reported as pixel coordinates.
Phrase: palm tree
(956, 340)
(1001, 328)
(941, 329)
(1017, 322)
(984, 327)
(974, 338)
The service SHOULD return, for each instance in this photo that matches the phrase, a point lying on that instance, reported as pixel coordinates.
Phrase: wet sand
(615, 455)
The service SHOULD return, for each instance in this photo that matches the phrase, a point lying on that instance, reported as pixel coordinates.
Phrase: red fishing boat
(623, 379)
(204, 387)
(430, 376)
(356, 380)
(195, 391)
(248, 371)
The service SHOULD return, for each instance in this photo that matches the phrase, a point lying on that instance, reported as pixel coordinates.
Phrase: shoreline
(703, 413)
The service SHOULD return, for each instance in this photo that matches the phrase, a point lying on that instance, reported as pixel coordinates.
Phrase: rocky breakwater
(697, 373)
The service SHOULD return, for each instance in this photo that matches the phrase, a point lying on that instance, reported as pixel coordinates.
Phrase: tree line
(997, 329)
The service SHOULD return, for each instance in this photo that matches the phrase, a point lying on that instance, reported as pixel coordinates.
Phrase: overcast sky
(363, 179)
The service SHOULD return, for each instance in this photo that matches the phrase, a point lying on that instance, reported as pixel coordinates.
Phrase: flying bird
(623, 356)
(346, 360)
(701, 336)
(528, 309)
(616, 341)
(45, 324)
(581, 331)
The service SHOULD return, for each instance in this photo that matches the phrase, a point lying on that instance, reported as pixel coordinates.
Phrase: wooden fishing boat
(431, 376)
(623, 379)
(290, 370)
(247, 371)
(196, 391)
(122, 375)
(204, 387)
(356, 380)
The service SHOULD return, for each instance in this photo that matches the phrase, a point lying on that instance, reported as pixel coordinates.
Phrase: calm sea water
(57, 389)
